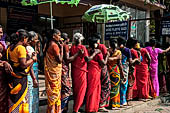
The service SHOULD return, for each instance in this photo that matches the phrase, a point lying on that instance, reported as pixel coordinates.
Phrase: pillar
(147, 26)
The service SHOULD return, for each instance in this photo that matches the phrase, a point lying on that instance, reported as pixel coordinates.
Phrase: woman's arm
(88, 59)
(58, 55)
(72, 58)
(35, 82)
(24, 63)
(165, 51)
(120, 68)
(148, 58)
(104, 61)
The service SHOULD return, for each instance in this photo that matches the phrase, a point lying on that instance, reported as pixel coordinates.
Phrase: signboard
(165, 28)
(116, 29)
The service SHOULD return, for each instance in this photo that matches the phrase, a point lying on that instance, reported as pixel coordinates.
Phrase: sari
(53, 70)
(132, 76)
(115, 80)
(93, 84)
(79, 76)
(3, 89)
(33, 92)
(35, 99)
(65, 83)
(126, 54)
(154, 67)
(105, 81)
(18, 81)
(142, 75)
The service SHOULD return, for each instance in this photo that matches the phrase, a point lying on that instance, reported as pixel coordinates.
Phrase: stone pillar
(147, 26)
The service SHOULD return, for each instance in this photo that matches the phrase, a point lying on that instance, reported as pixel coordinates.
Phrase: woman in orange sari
(16, 55)
(53, 69)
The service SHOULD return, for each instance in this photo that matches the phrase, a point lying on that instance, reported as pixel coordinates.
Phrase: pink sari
(94, 84)
(79, 76)
(154, 67)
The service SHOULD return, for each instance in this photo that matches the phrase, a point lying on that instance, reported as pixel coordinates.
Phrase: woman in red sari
(142, 74)
(93, 78)
(78, 71)
(132, 69)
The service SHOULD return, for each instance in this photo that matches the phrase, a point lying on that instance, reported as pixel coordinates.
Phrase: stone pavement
(153, 106)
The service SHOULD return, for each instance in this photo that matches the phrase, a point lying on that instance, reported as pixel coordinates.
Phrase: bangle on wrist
(33, 59)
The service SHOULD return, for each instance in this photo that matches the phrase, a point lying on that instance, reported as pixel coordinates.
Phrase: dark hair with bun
(50, 34)
(18, 36)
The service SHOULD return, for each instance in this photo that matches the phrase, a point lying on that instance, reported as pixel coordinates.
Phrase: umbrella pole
(51, 13)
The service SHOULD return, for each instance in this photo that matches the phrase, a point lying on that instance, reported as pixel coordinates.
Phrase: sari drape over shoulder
(79, 76)
(154, 67)
(93, 84)
(53, 81)
(18, 81)
(142, 75)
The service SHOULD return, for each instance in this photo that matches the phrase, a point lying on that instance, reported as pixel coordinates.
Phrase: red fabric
(94, 85)
(103, 49)
(142, 75)
(79, 62)
(132, 77)
(79, 76)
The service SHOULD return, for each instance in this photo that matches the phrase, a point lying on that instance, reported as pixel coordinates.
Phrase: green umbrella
(105, 13)
(37, 2)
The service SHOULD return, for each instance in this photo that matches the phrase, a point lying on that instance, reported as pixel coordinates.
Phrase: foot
(115, 108)
(103, 110)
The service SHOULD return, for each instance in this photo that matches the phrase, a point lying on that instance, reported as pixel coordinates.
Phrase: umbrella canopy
(36, 2)
(105, 13)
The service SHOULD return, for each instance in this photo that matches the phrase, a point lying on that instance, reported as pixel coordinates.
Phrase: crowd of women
(101, 78)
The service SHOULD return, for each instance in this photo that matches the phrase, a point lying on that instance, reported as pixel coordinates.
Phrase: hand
(8, 68)
(108, 53)
(124, 81)
(81, 51)
(97, 51)
(150, 68)
(34, 57)
(35, 83)
(119, 57)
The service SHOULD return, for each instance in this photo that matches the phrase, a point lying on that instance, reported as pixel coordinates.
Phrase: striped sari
(115, 80)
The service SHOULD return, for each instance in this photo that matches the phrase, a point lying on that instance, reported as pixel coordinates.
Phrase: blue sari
(126, 54)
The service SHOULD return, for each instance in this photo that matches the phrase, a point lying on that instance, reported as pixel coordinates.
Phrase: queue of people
(102, 78)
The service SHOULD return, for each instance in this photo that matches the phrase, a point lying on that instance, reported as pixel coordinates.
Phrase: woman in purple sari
(153, 51)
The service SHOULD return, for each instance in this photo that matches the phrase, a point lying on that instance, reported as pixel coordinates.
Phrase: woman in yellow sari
(53, 70)
(16, 55)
